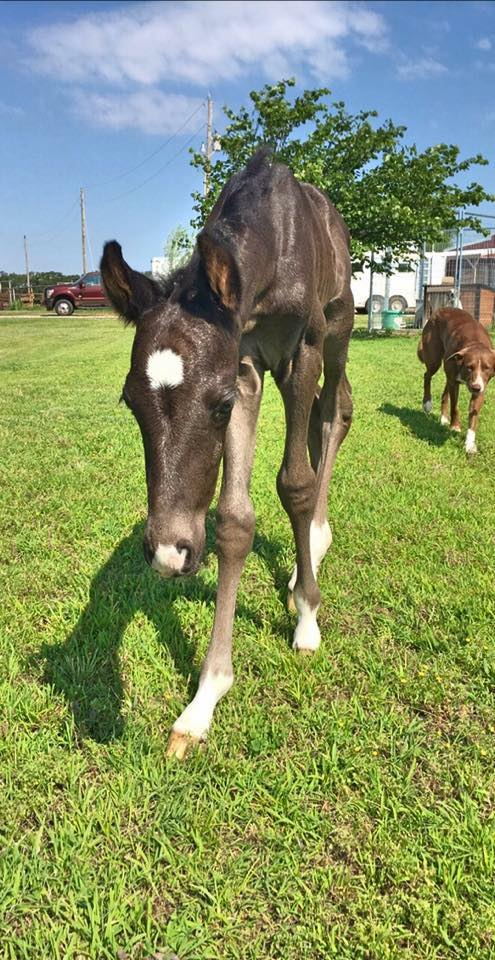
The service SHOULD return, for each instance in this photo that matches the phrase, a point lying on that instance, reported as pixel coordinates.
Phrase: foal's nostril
(186, 547)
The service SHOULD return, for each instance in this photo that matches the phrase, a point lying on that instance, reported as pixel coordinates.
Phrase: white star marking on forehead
(164, 369)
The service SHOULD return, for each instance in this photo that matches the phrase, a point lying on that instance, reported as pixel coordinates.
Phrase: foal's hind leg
(296, 481)
(333, 408)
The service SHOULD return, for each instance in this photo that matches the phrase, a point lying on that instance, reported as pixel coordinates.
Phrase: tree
(178, 247)
(391, 194)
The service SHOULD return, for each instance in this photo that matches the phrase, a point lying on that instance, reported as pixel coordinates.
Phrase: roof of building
(487, 244)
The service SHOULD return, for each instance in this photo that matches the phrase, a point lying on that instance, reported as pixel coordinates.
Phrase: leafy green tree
(38, 278)
(178, 247)
(391, 194)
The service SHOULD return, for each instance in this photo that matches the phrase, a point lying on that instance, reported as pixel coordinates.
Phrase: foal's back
(286, 232)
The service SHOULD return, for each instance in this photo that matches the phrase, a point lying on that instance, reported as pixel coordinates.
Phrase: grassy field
(344, 805)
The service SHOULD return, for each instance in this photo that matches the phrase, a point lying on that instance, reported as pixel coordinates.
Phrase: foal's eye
(221, 414)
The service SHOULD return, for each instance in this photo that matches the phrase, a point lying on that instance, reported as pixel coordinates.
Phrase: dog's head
(475, 366)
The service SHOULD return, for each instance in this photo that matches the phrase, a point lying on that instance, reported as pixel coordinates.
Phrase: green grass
(344, 804)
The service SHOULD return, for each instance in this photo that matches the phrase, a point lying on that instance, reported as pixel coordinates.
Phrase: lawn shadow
(421, 425)
(86, 668)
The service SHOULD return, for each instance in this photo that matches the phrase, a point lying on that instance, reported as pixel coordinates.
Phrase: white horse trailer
(404, 284)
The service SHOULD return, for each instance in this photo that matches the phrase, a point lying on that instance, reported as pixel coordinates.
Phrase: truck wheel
(397, 303)
(64, 308)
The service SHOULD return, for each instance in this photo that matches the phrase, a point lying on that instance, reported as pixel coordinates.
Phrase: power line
(56, 235)
(160, 169)
(57, 222)
(44, 233)
(119, 176)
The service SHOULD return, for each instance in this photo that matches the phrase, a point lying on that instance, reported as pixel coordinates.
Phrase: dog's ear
(458, 355)
(130, 292)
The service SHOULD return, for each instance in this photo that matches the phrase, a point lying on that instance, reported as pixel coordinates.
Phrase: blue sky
(88, 90)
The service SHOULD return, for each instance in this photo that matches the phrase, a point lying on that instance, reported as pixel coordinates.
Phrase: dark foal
(267, 288)
(454, 336)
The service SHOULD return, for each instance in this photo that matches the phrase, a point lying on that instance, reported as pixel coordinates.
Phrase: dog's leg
(427, 403)
(475, 406)
(429, 353)
(444, 406)
(455, 423)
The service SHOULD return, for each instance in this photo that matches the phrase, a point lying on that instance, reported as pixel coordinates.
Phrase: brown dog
(463, 344)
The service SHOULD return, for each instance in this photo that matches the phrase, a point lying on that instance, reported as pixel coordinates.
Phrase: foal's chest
(271, 340)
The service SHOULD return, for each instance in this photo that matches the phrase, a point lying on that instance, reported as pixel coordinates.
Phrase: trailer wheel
(376, 304)
(397, 303)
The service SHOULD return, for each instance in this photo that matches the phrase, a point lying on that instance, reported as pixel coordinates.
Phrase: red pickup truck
(64, 298)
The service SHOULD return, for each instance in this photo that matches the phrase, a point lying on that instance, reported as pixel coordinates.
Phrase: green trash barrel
(390, 319)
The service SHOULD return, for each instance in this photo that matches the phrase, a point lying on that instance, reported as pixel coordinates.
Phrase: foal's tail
(420, 351)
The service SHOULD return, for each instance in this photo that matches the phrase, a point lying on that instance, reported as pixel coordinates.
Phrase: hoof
(180, 744)
(304, 652)
(306, 637)
(291, 604)
(444, 421)
(455, 429)
(428, 406)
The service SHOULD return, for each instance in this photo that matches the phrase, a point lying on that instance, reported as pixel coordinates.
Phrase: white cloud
(484, 44)
(426, 68)
(207, 41)
(149, 109)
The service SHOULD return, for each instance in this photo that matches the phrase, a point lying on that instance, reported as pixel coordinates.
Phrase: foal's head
(181, 389)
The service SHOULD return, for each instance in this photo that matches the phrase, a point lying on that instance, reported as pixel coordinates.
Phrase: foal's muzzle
(170, 560)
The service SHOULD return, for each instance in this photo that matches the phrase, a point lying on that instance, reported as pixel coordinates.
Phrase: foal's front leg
(234, 533)
(296, 485)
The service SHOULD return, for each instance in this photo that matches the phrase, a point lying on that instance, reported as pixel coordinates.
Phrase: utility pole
(458, 263)
(370, 298)
(26, 258)
(83, 232)
(209, 146)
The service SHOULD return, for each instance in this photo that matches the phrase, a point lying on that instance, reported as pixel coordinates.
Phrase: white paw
(470, 445)
(428, 406)
(444, 421)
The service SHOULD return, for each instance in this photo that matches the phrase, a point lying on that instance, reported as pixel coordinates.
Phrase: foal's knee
(235, 530)
(297, 489)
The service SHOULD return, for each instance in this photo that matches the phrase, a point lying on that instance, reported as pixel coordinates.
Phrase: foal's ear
(130, 292)
(221, 269)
